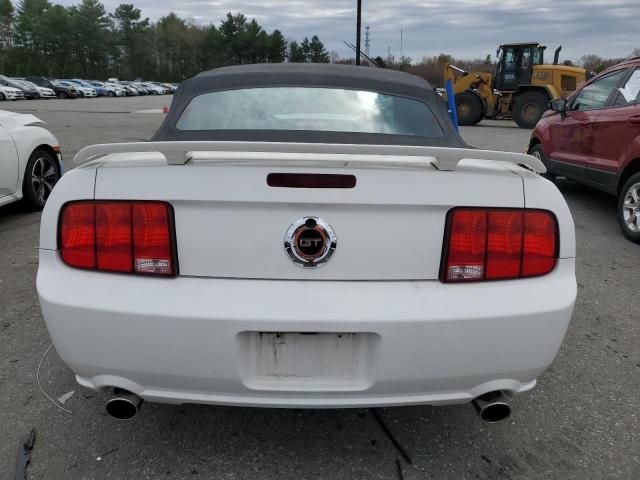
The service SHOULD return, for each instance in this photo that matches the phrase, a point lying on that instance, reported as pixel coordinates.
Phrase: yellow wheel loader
(521, 87)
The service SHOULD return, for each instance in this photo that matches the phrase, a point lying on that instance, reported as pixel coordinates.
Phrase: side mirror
(559, 105)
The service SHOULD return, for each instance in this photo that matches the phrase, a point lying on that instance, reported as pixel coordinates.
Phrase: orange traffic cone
(165, 109)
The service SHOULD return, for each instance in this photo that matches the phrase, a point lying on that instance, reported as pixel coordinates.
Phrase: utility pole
(367, 39)
(401, 53)
(358, 22)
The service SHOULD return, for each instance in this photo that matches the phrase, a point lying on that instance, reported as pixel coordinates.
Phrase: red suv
(593, 137)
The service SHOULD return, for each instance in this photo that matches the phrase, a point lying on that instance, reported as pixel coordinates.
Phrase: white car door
(9, 164)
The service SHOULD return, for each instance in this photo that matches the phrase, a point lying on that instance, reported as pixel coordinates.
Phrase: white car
(45, 92)
(30, 162)
(155, 89)
(306, 235)
(11, 93)
(117, 89)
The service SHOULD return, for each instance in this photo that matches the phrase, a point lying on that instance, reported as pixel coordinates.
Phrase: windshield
(13, 83)
(310, 109)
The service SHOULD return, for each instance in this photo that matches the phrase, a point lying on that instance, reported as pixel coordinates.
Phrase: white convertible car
(303, 235)
(30, 162)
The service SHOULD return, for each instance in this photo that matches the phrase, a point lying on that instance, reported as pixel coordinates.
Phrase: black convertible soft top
(324, 69)
(390, 82)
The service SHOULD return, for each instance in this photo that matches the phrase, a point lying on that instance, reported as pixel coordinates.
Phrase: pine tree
(305, 46)
(90, 33)
(6, 23)
(296, 54)
(317, 52)
(131, 43)
(277, 50)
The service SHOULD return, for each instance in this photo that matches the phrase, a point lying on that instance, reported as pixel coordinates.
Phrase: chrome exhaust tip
(492, 407)
(124, 405)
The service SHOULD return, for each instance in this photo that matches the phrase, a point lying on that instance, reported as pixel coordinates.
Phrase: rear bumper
(183, 340)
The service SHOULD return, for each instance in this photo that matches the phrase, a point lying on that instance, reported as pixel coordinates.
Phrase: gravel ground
(581, 421)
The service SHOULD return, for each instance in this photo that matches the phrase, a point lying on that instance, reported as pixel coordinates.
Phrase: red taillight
(539, 256)
(77, 235)
(113, 236)
(118, 236)
(467, 245)
(498, 244)
(504, 244)
(152, 239)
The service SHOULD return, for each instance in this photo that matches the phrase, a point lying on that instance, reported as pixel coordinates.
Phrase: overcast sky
(463, 28)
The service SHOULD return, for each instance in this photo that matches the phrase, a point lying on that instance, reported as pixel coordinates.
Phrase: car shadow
(301, 443)
(601, 206)
(177, 441)
(16, 211)
(577, 191)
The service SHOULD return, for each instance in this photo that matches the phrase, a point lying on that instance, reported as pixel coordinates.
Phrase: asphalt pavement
(582, 420)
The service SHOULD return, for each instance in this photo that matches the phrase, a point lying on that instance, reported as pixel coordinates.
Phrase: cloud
(463, 28)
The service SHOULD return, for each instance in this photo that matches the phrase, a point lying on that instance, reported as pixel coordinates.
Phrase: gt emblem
(310, 242)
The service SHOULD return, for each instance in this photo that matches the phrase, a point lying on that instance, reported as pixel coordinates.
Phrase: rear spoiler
(279, 153)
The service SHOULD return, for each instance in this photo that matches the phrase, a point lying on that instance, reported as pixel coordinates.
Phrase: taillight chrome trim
(442, 276)
(173, 245)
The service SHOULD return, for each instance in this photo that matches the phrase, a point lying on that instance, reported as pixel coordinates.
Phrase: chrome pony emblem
(310, 242)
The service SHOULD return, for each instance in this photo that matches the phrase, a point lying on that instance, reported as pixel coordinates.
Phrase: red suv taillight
(118, 236)
(498, 244)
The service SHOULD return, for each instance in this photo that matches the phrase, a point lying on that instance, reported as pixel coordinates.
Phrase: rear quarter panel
(543, 194)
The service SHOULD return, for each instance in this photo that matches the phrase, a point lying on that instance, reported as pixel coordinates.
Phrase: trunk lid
(230, 223)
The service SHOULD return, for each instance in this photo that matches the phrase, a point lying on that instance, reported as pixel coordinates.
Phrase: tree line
(84, 40)
(596, 64)
(432, 68)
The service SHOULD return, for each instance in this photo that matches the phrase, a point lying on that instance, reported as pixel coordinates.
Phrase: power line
(367, 57)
